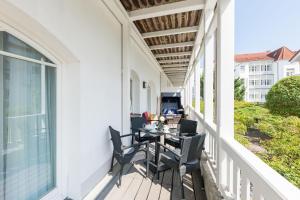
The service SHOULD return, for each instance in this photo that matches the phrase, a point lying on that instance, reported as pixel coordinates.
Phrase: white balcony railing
(245, 175)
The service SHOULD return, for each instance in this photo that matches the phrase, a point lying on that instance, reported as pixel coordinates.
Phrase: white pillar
(208, 79)
(197, 87)
(225, 80)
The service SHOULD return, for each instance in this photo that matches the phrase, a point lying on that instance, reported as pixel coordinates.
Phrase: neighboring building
(296, 59)
(260, 71)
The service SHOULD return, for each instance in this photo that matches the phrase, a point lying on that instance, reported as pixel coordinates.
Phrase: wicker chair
(136, 124)
(188, 160)
(187, 128)
(124, 154)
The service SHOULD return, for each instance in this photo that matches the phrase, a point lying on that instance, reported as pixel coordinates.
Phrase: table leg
(157, 151)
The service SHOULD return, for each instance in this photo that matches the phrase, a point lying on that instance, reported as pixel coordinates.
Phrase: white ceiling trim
(166, 9)
(175, 31)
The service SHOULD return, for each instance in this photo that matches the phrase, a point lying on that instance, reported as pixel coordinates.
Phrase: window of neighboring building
(290, 72)
(251, 68)
(257, 68)
(269, 68)
(28, 121)
(268, 82)
(242, 68)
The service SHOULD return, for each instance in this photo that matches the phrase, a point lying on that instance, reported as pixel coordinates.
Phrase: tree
(239, 89)
(202, 86)
(284, 97)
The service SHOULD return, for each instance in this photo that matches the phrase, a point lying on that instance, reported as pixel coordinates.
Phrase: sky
(262, 25)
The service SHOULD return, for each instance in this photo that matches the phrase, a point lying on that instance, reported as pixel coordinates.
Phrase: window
(257, 68)
(242, 68)
(290, 71)
(251, 68)
(269, 82)
(28, 118)
(269, 67)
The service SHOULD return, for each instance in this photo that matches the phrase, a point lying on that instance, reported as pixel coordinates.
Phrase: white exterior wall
(89, 83)
(256, 93)
(140, 63)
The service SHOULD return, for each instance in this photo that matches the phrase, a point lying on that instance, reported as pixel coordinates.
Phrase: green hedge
(284, 97)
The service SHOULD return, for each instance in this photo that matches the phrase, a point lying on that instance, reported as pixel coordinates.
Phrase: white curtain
(28, 128)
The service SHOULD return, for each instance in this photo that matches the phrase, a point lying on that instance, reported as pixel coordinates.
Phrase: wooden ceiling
(170, 37)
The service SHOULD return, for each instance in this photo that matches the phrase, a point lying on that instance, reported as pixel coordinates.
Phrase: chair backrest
(116, 139)
(137, 123)
(187, 126)
(192, 147)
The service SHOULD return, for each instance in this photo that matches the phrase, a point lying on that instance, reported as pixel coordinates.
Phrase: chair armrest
(172, 151)
(136, 145)
(127, 135)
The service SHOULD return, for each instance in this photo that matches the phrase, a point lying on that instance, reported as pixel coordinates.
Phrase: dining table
(155, 166)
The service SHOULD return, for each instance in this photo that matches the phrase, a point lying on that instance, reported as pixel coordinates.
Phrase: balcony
(109, 59)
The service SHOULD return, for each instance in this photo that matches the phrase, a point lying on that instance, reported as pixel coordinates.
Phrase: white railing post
(225, 81)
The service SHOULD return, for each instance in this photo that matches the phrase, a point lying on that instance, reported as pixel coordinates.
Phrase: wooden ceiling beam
(166, 9)
(175, 31)
(172, 45)
(174, 65)
(186, 53)
(174, 61)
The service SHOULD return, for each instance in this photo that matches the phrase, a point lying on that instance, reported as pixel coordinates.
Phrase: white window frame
(56, 192)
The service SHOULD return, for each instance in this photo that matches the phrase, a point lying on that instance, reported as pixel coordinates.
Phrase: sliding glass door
(27, 121)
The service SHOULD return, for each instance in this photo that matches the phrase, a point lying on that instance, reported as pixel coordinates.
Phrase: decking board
(136, 186)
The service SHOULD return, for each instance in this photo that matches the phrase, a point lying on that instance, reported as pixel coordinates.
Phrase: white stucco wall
(146, 71)
(90, 90)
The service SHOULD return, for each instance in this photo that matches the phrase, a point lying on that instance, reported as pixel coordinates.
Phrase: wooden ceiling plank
(167, 9)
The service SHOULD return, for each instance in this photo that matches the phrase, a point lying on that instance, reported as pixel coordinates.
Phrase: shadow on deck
(136, 186)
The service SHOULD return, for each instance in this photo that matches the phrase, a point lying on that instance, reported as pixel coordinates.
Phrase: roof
(296, 57)
(282, 53)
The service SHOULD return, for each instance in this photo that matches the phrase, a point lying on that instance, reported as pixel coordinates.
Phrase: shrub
(284, 97)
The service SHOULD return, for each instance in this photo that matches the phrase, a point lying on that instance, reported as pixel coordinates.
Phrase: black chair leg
(112, 164)
(147, 160)
(120, 175)
(182, 187)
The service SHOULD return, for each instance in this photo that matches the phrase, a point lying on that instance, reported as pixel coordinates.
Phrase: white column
(208, 79)
(197, 87)
(225, 80)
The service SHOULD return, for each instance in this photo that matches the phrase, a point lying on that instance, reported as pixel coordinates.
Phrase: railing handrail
(264, 178)
(258, 170)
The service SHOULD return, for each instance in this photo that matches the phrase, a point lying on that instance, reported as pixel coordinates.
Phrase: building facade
(260, 71)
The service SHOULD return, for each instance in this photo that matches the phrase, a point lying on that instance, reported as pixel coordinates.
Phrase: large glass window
(27, 121)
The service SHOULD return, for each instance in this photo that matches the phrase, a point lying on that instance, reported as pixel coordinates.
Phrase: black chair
(138, 123)
(187, 128)
(188, 160)
(124, 154)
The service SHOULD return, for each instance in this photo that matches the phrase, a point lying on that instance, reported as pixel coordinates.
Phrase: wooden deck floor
(136, 186)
